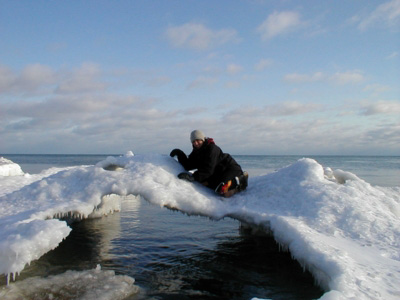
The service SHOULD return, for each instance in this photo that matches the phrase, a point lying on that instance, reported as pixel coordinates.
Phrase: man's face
(197, 143)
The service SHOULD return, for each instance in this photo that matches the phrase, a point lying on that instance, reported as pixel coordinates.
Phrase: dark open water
(175, 256)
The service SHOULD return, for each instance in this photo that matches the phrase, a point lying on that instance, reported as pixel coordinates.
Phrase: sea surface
(175, 256)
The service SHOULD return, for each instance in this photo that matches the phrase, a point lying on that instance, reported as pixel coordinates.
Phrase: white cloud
(381, 107)
(32, 78)
(159, 81)
(7, 79)
(114, 124)
(263, 64)
(199, 37)
(293, 108)
(111, 122)
(300, 78)
(233, 69)
(36, 75)
(274, 130)
(203, 81)
(251, 114)
(376, 88)
(387, 14)
(383, 134)
(82, 122)
(232, 84)
(84, 79)
(38, 78)
(348, 77)
(393, 55)
(279, 23)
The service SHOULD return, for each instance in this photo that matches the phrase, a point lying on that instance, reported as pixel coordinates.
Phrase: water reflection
(174, 256)
(239, 268)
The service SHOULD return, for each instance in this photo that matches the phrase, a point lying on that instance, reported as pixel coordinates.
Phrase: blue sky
(260, 77)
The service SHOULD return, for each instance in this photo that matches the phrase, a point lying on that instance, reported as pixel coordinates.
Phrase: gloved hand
(186, 176)
(176, 152)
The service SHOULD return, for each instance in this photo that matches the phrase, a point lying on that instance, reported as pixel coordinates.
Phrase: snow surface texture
(339, 227)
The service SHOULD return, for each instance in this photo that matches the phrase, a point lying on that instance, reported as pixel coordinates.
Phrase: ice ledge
(25, 238)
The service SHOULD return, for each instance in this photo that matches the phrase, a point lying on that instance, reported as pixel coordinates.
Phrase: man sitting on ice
(215, 169)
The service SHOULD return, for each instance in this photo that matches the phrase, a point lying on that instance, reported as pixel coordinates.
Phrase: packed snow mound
(342, 229)
(9, 168)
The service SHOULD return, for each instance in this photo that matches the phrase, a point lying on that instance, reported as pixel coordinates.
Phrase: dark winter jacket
(213, 166)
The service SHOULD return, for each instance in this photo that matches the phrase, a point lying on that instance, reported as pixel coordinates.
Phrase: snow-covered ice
(93, 284)
(345, 231)
(8, 168)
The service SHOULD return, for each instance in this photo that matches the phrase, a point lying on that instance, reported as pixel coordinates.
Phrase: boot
(242, 181)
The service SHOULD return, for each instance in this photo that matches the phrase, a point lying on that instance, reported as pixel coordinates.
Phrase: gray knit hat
(197, 135)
